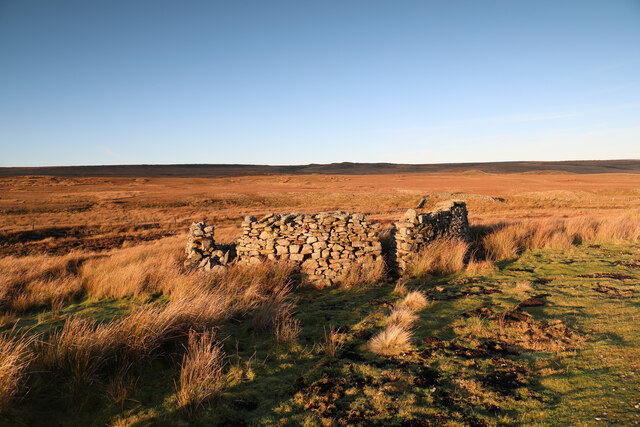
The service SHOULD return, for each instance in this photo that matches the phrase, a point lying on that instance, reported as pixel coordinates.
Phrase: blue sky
(273, 82)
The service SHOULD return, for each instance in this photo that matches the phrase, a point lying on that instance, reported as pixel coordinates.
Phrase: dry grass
(201, 373)
(401, 287)
(442, 256)
(500, 245)
(78, 351)
(475, 266)
(360, 274)
(332, 343)
(414, 300)
(37, 281)
(40, 281)
(287, 329)
(392, 340)
(396, 337)
(403, 317)
(507, 241)
(271, 310)
(136, 271)
(15, 357)
(84, 350)
(120, 386)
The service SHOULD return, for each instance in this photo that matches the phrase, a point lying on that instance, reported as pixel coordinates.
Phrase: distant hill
(346, 168)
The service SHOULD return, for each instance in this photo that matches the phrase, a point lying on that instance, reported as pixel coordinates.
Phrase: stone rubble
(202, 250)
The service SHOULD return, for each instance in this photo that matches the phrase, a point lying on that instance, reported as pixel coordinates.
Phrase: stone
(218, 269)
(266, 235)
(411, 216)
(319, 245)
(310, 264)
(296, 257)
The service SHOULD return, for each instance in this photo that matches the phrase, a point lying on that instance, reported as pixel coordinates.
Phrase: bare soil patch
(615, 276)
(613, 292)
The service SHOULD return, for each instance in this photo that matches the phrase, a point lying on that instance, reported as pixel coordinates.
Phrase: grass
(402, 317)
(361, 274)
(393, 340)
(15, 357)
(442, 256)
(201, 373)
(533, 322)
(332, 342)
(510, 240)
(414, 300)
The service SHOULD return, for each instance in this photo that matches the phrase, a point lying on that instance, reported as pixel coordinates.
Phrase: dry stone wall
(325, 244)
(202, 250)
(415, 230)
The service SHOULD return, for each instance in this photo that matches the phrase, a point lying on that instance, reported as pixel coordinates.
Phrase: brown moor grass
(15, 357)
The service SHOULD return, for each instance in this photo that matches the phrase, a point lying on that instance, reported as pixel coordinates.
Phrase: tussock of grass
(201, 373)
(360, 274)
(442, 256)
(287, 329)
(414, 300)
(393, 340)
(500, 245)
(403, 317)
(331, 344)
(401, 287)
(15, 357)
(120, 386)
(272, 310)
(475, 266)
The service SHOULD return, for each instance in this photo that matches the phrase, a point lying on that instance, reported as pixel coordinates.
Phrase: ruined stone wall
(415, 230)
(202, 250)
(324, 244)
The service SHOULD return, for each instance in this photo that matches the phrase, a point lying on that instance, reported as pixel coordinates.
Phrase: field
(534, 322)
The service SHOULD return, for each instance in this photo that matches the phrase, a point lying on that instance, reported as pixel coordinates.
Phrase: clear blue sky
(273, 82)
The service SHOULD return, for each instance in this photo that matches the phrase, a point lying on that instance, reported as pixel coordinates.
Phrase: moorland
(535, 321)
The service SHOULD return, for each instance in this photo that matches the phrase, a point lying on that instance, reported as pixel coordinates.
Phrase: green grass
(476, 370)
